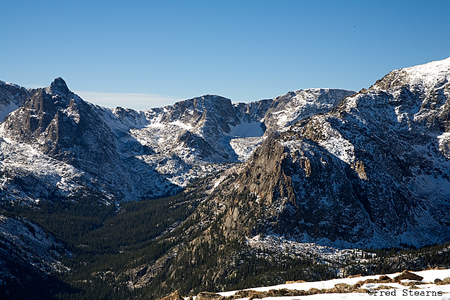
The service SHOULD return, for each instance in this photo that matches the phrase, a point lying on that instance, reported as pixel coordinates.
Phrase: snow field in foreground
(400, 291)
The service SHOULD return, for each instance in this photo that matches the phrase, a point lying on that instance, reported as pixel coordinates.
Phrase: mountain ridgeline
(324, 167)
(122, 154)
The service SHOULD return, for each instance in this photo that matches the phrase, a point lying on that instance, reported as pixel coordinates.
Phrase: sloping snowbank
(429, 290)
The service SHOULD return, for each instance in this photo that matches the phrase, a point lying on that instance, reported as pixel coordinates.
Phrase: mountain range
(63, 146)
(319, 167)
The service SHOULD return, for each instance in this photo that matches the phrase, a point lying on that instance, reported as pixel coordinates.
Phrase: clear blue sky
(244, 50)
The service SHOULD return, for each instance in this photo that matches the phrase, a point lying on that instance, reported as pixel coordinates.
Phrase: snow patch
(337, 145)
(432, 185)
(247, 129)
(444, 144)
(5, 110)
(280, 244)
(244, 147)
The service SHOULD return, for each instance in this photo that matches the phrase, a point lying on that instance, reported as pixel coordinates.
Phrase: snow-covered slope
(426, 288)
(27, 252)
(20, 236)
(11, 98)
(64, 146)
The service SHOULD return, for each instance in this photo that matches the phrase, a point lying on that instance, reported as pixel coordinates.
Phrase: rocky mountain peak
(215, 98)
(212, 103)
(58, 86)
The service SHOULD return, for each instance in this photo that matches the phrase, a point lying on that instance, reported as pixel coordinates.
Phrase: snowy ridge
(297, 105)
(429, 74)
(422, 77)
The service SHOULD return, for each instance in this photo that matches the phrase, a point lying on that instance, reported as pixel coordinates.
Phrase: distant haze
(127, 100)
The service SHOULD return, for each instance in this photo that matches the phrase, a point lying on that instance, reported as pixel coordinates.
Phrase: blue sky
(143, 54)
